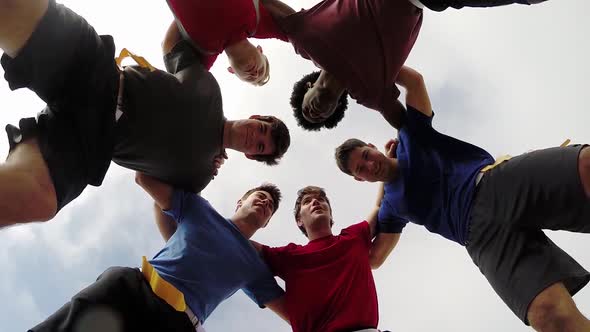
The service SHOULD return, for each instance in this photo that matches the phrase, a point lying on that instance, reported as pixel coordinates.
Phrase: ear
(238, 204)
(231, 70)
(371, 145)
(359, 179)
(250, 156)
(259, 48)
(255, 116)
(309, 85)
(299, 222)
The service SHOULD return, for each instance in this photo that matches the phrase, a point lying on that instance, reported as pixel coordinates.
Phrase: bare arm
(159, 191)
(277, 9)
(372, 219)
(416, 93)
(18, 20)
(278, 307)
(166, 225)
(395, 115)
(172, 37)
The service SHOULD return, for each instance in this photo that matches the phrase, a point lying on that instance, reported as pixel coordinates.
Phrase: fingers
(391, 148)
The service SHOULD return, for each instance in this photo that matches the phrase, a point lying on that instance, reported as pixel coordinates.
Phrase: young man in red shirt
(329, 283)
(213, 27)
(360, 47)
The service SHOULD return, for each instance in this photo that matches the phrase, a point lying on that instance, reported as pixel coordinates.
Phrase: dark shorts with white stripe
(68, 65)
(514, 202)
(440, 5)
(120, 300)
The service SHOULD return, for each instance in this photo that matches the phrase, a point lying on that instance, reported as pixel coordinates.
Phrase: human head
(304, 211)
(264, 200)
(308, 99)
(363, 161)
(261, 138)
(251, 65)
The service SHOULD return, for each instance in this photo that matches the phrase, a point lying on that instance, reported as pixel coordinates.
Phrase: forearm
(373, 217)
(165, 224)
(416, 92)
(279, 308)
(160, 192)
(381, 247)
(395, 115)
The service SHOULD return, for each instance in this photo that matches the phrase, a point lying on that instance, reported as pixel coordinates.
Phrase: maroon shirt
(363, 43)
(329, 283)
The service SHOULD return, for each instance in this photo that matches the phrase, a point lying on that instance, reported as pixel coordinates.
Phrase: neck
(244, 225)
(238, 50)
(328, 81)
(393, 172)
(228, 142)
(318, 229)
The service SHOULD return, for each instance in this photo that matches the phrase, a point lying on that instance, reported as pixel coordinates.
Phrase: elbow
(415, 80)
(375, 262)
(139, 178)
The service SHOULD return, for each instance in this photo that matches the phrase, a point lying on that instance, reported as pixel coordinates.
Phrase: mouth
(317, 208)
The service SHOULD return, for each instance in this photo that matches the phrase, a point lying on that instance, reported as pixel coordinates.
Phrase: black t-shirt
(172, 123)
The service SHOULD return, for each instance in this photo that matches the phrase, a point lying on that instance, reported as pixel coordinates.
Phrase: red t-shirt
(329, 283)
(362, 43)
(212, 25)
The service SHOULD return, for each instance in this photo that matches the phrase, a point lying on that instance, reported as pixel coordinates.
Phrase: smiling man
(169, 125)
(360, 47)
(496, 210)
(206, 259)
(329, 284)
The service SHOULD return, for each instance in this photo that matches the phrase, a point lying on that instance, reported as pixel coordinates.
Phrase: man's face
(254, 137)
(318, 104)
(259, 203)
(314, 209)
(369, 164)
(254, 68)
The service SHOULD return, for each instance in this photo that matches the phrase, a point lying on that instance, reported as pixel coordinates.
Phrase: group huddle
(169, 127)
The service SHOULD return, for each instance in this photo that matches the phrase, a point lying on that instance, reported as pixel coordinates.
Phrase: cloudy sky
(507, 79)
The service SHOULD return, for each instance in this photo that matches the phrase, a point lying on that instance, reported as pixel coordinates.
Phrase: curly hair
(281, 138)
(271, 189)
(299, 90)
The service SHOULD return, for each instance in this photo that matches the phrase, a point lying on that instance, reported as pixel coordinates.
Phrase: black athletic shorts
(73, 70)
(120, 300)
(440, 5)
(514, 202)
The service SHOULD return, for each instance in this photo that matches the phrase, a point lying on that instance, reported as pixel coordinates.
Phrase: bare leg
(18, 20)
(27, 192)
(554, 310)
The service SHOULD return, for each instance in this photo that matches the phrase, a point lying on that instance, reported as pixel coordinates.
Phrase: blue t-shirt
(208, 259)
(436, 180)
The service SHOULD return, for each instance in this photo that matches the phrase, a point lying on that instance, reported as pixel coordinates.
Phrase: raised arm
(162, 195)
(383, 243)
(416, 93)
(395, 115)
(172, 37)
(277, 9)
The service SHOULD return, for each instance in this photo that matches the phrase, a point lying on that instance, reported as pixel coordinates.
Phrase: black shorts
(440, 5)
(119, 300)
(68, 65)
(514, 202)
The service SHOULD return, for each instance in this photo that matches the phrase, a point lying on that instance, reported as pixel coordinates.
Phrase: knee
(584, 169)
(552, 310)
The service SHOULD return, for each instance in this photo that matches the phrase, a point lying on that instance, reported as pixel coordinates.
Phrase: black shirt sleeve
(182, 56)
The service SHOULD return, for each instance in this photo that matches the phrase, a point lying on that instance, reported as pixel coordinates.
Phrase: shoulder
(359, 229)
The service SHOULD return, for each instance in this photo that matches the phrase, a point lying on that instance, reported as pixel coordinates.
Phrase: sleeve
(388, 222)
(276, 259)
(179, 199)
(361, 230)
(263, 290)
(417, 122)
(268, 28)
(182, 56)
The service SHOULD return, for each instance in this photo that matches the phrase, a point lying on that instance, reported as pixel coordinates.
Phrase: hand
(217, 162)
(391, 148)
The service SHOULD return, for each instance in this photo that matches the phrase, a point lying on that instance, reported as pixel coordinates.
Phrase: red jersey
(329, 283)
(362, 43)
(212, 25)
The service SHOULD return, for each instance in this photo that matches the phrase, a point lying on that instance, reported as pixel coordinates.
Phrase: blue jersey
(208, 259)
(435, 183)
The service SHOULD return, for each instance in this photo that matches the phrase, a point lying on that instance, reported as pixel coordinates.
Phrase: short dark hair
(280, 136)
(306, 191)
(299, 90)
(271, 189)
(343, 151)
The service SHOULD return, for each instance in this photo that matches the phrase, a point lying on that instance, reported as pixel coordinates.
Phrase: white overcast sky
(507, 79)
